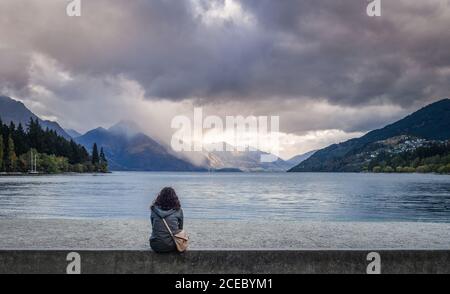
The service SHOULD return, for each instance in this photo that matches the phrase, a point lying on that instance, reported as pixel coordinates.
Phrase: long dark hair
(167, 199)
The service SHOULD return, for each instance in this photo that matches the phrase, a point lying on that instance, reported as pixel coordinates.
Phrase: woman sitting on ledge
(166, 207)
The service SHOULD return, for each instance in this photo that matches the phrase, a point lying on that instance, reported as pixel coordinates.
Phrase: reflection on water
(268, 196)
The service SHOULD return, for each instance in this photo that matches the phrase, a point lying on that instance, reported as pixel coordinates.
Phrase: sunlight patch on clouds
(45, 69)
(217, 12)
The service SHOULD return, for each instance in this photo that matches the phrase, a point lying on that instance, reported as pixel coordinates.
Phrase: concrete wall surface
(225, 262)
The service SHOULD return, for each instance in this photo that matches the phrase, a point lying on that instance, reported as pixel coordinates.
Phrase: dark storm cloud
(285, 49)
(350, 58)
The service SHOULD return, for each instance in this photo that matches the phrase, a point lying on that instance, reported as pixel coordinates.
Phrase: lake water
(240, 196)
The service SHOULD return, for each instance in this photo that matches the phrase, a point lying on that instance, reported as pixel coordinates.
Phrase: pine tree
(11, 156)
(12, 127)
(1, 152)
(20, 140)
(102, 156)
(95, 156)
(103, 166)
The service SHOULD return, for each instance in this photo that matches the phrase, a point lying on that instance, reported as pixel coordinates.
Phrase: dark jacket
(160, 240)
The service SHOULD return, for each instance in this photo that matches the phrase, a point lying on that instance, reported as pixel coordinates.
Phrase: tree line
(433, 158)
(21, 149)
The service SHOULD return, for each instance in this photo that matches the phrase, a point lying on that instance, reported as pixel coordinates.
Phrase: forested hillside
(431, 157)
(22, 149)
(391, 147)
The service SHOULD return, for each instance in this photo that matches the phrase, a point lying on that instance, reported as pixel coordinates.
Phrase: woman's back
(166, 207)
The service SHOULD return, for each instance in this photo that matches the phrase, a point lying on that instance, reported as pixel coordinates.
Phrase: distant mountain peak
(12, 110)
(99, 130)
(249, 159)
(73, 133)
(125, 127)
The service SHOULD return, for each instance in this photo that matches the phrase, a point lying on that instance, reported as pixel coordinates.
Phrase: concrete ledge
(224, 262)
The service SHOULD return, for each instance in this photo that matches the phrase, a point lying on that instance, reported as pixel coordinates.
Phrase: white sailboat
(33, 163)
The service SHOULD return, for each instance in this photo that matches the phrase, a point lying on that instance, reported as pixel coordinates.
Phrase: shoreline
(219, 235)
(19, 174)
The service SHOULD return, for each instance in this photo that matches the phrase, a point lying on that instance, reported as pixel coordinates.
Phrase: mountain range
(423, 127)
(248, 160)
(15, 111)
(128, 149)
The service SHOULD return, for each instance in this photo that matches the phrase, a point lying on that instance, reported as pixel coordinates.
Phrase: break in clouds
(330, 71)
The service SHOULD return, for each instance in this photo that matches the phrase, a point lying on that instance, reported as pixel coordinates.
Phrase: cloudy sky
(325, 67)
